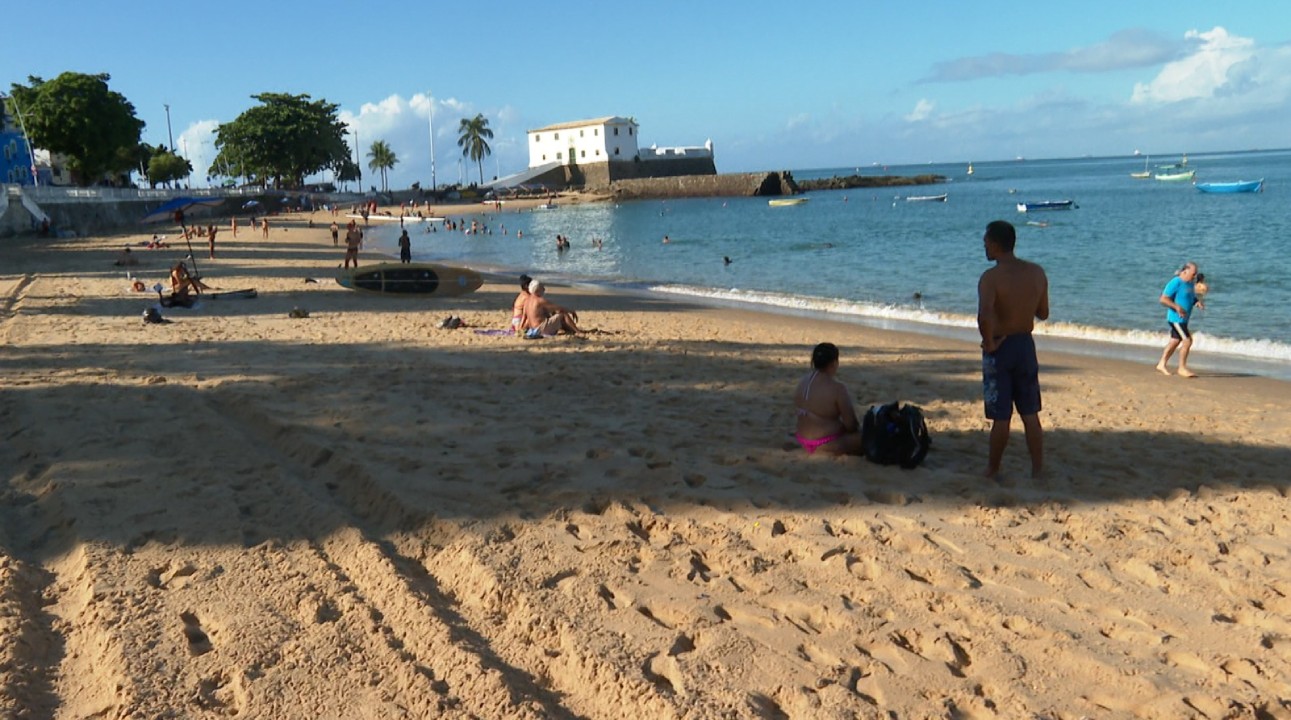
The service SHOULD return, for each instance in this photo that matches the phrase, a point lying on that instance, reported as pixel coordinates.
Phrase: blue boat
(1046, 205)
(1243, 186)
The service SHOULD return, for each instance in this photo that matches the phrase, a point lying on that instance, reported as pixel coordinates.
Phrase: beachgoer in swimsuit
(1010, 297)
(826, 417)
(517, 307)
(543, 318)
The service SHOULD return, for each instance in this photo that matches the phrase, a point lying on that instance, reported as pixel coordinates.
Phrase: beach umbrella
(167, 209)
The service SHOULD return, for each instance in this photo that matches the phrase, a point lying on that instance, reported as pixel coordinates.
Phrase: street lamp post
(169, 137)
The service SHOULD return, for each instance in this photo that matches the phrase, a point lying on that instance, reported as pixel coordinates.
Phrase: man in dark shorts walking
(1010, 297)
(1179, 298)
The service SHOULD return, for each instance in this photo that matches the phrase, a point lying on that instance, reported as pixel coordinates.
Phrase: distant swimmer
(666, 240)
(726, 259)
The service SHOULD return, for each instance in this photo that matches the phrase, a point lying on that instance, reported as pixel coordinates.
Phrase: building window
(629, 131)
(596, 132)
(598, 153)
(616, 151)
(582, 153)
(536, 138)
(557, 136)
(580, 133)
(544, 158)
(558, 157)
(616, 131)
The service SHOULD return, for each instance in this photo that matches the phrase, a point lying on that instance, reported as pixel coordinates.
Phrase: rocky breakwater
(869, 181)
(724, 185)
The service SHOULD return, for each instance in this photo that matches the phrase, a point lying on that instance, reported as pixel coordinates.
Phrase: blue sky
(774, 85)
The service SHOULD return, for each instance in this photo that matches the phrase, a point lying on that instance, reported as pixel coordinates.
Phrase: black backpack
(895, 435)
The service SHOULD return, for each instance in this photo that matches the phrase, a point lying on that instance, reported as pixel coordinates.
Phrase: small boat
(1146, 172)
(785, 202)
(1175, 176)
(545, 206)
(411, 279)
(926, 198)
(970, 169)
(1242, 186)
(1046, 205)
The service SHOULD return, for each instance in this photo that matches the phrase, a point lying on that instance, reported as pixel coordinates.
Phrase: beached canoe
(1242, 186)
(926, 198)
(411, 279)
(1046, 205)
(785, 202)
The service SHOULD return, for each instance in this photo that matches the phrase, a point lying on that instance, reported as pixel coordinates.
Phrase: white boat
(785, 202)
(970, 168)
(926, 198)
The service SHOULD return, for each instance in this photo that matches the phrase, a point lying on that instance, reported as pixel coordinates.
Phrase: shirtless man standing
(353, 241)
(1010, 297)
(546, 317)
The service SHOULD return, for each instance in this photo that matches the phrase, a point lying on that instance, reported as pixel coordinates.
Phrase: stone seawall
(725, 185)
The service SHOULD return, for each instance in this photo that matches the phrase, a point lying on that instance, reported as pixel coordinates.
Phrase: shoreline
(357, 513)
(1211, 353)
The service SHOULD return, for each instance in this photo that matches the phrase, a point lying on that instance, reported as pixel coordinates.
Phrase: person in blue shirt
(1179, 297)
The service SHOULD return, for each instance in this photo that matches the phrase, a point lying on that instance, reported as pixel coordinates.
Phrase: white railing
(56, 193)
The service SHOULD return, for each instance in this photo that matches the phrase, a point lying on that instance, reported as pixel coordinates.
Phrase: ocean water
(869, 255)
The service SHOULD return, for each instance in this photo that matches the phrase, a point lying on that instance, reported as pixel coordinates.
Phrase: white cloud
(797, 121)
(1200, 75)
(922, 110)
(197, 143)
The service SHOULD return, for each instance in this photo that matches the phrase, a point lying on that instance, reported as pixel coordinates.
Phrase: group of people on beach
(1011, 296)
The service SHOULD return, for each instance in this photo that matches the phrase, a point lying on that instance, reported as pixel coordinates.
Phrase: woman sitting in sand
(826, 418)
(517, 307)
(181, 282)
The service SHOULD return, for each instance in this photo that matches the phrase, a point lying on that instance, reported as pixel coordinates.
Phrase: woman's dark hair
(524, 282)
(824, 355)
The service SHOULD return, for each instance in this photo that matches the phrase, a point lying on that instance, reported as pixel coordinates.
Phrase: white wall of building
(584, 142)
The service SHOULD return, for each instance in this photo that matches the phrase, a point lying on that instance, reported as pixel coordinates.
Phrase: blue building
(15, 156)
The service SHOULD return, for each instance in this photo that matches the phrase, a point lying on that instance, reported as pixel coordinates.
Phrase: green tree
(166, 167)
(285, 138)
(346, 170)
(472, 137)
(78, 116)
(381, 158)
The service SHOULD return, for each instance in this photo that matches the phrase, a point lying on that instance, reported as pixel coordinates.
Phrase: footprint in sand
(198, 642)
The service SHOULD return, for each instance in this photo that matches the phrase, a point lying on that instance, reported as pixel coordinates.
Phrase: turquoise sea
(869, 255)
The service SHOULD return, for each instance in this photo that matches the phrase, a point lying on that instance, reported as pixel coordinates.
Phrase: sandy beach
(360, 515)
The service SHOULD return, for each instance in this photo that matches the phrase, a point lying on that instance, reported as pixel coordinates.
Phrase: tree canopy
(166, 167)
(76, 115)
(472, 138)
(381, 159)
(284, 138)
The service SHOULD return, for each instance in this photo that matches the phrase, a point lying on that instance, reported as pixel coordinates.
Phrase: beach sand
(360, 515)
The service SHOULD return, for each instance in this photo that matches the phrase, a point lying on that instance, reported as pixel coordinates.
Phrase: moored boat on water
(1241, 186)
(1176, 176)
(1046, 205)
(926, 198)
(785, 202)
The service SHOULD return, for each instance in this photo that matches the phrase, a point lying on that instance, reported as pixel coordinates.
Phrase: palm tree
(381, 157)
(473, 136)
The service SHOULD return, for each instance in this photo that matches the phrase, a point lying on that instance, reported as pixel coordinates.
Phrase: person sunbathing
(517, 307)
(182, 282)
(543, 318)
(826, 417)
